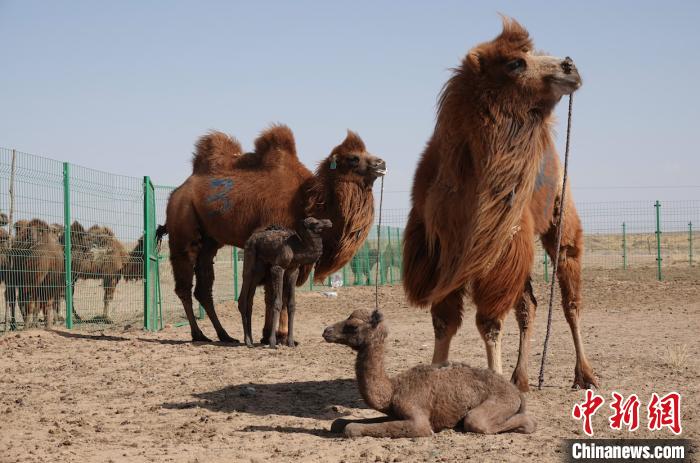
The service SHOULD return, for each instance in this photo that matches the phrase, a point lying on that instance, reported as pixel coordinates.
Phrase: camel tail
(161, 231)
(278, 137)
(215, 154)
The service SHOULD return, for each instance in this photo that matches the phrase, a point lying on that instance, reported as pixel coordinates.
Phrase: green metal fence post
(311, 281)
(690, 243)
(147, 283)
(391, 254)
(546, 269)
(400, 253)
(657, 205)
(235, 273)
(67, 245)
(624, 247)
(345, 275)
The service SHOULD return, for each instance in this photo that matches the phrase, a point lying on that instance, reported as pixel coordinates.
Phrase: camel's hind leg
(569, 275)
(282, 329)
(447, 318)
(183, 271)
(497, 292)
(495, 415)
(525, 310)
(109, 284)
(204, 271)
(290, 280)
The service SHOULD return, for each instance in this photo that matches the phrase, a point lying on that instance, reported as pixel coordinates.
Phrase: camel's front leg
(277, 286)
(418, 426)
(340, 424)
(525, 313)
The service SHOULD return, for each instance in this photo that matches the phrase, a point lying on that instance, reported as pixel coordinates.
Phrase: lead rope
(555, 267)
(379, 247)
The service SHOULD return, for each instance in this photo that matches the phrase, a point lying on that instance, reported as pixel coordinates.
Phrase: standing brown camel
(276, 253)
(425, 398)
(230, 195)
(488, 180)
(37, 270)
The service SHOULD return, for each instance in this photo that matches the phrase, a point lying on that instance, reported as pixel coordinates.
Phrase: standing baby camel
(278, 252)
(426, 398)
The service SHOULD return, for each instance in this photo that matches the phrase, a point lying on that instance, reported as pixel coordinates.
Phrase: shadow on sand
(308, 399)
(91, 337)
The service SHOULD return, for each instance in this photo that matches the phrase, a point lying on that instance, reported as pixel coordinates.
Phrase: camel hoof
(520, 382)
(292, 343)
(200, 338)
(338, 426)
(228, 339)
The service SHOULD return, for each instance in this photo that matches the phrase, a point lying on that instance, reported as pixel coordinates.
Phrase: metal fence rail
(77, 247)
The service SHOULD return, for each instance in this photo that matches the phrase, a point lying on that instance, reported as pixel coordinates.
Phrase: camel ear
(473, 61)
(353, 143)
(376, 318)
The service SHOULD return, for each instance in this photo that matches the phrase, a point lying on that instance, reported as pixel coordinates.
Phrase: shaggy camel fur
(425, 398)
(276, 253)
(488, 180)
(230, 195)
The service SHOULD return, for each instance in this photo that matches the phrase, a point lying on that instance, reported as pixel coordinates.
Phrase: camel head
(510, 74)
(99, 237)
(317, 226)
(32, 231)
(351, 162)
(361, 329)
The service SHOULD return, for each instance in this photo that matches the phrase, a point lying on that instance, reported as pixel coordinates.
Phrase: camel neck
(373, 382)
(312, 246)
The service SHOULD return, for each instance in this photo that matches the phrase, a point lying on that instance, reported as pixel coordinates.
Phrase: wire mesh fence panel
(103, 267)
(106, 212)
(32, 255)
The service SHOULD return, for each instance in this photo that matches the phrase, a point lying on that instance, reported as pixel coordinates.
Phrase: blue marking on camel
(223, 187)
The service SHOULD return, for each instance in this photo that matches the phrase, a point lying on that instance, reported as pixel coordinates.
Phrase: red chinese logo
(665, 412)
(662, 412)
(626, 413)
(587, 409)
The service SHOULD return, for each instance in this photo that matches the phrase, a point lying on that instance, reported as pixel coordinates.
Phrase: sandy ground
(127, 395)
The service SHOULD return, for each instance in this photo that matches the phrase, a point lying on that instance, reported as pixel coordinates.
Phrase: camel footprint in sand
(425, 398)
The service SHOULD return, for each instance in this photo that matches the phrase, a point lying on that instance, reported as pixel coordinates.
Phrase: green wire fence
(78, 247)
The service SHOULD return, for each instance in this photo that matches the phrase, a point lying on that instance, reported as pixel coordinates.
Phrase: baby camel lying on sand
(426, 398)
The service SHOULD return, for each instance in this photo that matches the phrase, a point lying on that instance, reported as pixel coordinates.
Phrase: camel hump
(277, 137)
(215, 153)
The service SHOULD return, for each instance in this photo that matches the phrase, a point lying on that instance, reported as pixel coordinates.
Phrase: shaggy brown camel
(425, 398)
(230, 195)
(97, 254)
(276, 254)
(488, 180)
(37, 270)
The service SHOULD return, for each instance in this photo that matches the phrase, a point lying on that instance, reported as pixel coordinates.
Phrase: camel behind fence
(108, 264)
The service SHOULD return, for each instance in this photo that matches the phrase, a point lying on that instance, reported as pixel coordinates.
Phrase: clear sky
(128, 86)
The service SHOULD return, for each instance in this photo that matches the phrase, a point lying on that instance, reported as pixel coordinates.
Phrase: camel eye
(354, 160)
(515, 65)
(349, 329)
